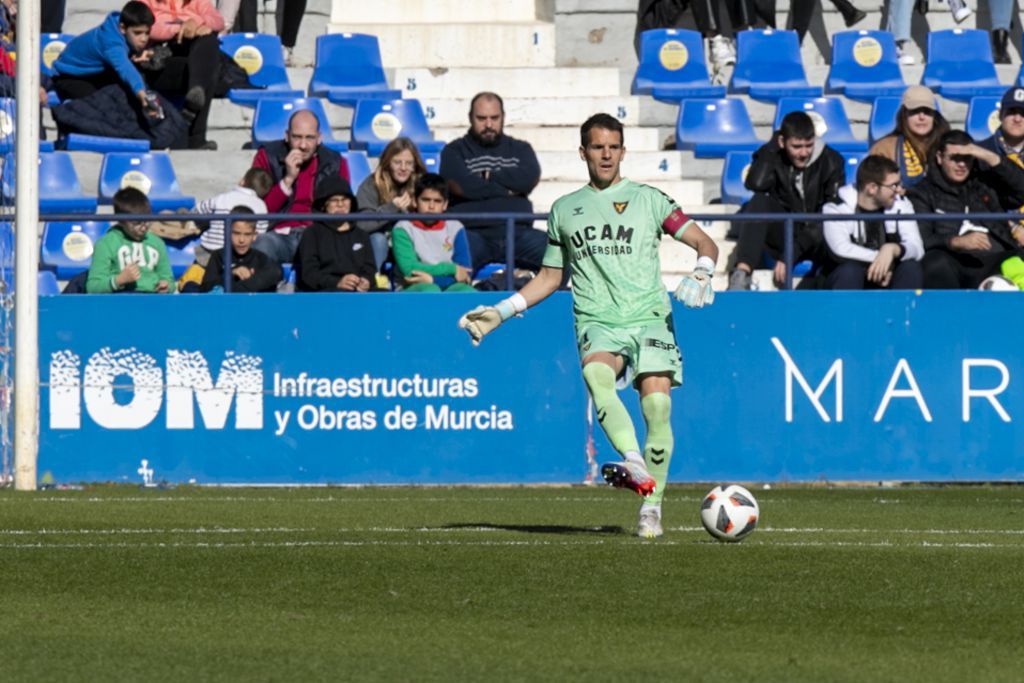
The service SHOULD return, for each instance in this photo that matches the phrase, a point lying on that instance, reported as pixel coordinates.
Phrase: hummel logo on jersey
(578, 211)
(620, 206)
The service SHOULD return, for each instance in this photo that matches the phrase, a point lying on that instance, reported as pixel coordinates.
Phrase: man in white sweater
(876, 253)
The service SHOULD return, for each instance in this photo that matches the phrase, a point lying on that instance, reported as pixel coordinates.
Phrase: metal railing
(789, 221)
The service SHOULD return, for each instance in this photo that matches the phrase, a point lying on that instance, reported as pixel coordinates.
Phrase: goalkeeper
(607, 234)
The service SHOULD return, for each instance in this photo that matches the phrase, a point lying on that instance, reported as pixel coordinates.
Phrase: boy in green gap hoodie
(129, 258)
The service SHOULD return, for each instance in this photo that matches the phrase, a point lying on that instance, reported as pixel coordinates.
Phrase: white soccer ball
(729, 513)
(998, 283)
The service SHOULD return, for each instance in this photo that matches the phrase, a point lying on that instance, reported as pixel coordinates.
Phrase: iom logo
(126, 389)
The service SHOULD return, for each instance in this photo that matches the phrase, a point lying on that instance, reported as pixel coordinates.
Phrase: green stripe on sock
(657, 410)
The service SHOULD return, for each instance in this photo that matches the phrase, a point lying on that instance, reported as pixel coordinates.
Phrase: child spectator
(250, 192)
(432, 256)
(333, 257)
(107, 54)
(251, 270)
(129, 258)
(389, 189)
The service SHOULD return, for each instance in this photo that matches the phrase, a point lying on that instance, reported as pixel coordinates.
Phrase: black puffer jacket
(771, 172)
(1007, 179)
(935, 194)
(112, 113)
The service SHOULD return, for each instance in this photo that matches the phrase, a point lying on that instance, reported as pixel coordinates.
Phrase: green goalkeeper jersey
(609, 241)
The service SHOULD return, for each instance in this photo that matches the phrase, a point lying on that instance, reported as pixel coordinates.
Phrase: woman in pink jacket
(189, 28)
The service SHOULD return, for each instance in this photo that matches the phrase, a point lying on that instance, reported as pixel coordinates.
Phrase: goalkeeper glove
(483, 320)
(695, 289)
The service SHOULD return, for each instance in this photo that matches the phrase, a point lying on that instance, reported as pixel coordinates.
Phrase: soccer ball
(998, 283)
(729, 513)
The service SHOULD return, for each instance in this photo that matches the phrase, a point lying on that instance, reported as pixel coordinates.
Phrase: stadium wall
(800, 386)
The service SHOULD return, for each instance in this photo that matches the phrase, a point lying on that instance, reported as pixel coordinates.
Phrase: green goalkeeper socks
(611, 413)
(657, 409)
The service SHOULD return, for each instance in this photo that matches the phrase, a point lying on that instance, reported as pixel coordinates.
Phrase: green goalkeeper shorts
(645, 349)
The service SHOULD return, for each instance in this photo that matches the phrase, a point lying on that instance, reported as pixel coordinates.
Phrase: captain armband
(676, 223)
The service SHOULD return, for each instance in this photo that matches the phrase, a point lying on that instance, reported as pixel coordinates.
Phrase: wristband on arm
(512, 306)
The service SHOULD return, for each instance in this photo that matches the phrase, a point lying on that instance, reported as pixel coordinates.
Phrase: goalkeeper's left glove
(695, 291)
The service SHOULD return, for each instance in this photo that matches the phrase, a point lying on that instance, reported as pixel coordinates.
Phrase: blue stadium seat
(50, 47)
(8, 127)
(713, 128)
(852, 162)
(270, 121)
(59, 189)
(375, 123)
(768, 66)
(734, 172)
(79, 142)
(152, 173)
(432, 162)
(181, 254)
(358, 167)
(67, 248)
(960, 65)
(348, 68)
(46, 283)
(830, 121)
(982, 117)
(864, 66)
(6, 246)
(260, 55)
(883, 117)
(672, 66)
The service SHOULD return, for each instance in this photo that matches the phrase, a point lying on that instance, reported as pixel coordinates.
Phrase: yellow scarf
(911, 164)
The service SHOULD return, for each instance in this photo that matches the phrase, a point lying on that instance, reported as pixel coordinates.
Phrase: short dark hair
(874, 168)
(243, 209)
(131, 200)
(486, 95)
(258, 180)
(136, 13)
(605, 121)
(431, 181)
(796, 125)
(953, 137)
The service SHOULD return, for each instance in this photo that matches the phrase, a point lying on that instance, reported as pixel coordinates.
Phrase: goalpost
(26, 250)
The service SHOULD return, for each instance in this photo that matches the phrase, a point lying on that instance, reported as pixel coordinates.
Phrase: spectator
(1001, 12)
(802, 12)
(793, 173)
(289, 19)
(1008, 142)
(488, 171)
(897, 22)
(129, 258)
(297, 165)
(254, 185)
(389, 189)
(432, 256)
(884, 253)
(251, 271)
(51, 16)
(107, 54)
(333, 257)
(918, 126)
(186, 31)
(239, 15)
(962, 253)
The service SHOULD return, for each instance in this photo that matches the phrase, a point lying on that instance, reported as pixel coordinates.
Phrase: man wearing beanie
(332, 256)
(1008, 143)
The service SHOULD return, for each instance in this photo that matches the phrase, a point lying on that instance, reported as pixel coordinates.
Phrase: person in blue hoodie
(106, 55)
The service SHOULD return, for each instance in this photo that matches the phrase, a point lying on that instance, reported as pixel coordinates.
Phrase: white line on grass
(128, 531)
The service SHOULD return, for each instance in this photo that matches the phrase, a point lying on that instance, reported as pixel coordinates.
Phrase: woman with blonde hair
(919, 125)
(389, 189)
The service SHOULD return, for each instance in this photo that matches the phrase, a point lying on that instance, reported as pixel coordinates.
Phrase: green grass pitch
(442, 584)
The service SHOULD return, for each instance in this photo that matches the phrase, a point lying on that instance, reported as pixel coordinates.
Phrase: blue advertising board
(309, 389)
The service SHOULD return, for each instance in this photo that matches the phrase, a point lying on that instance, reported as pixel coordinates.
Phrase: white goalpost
(26, 250)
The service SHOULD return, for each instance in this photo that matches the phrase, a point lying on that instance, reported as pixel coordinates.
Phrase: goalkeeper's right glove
(483, 320)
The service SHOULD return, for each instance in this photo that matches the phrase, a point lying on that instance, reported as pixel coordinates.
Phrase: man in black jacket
(488, 171)
(962, 253)
(794, 173)
(251, 270)
(1008, 143)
